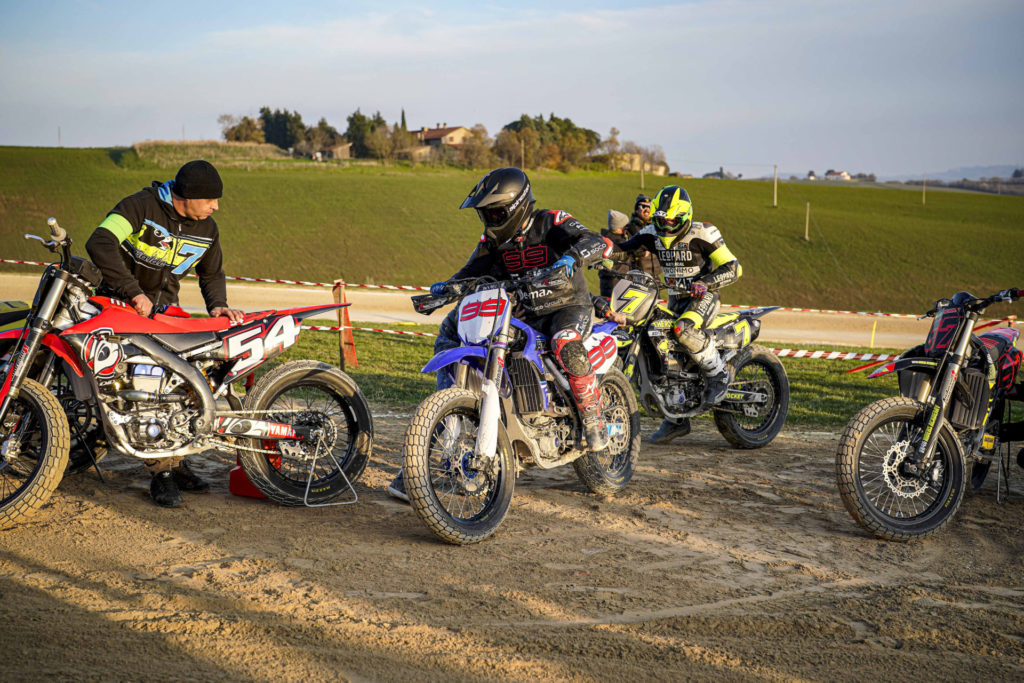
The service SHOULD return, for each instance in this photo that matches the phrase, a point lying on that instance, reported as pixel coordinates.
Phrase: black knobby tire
(607, 472)
(755, 368)
(29, 479)
(877, 492)
(459, 503)
(329, 399)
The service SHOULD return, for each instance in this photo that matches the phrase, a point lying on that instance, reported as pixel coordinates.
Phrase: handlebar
(979, 304)
(58, 233)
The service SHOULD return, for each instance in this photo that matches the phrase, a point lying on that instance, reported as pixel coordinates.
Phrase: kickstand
(309, 485)
(1003, 477)
(88, 449)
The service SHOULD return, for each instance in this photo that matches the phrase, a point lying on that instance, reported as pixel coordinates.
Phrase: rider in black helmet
(520, 240)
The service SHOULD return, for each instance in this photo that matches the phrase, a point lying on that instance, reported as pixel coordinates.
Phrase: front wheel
(607, 472)
(877, 481)
(315, 395)
(761, 387)
(462, 498)
(35, 453)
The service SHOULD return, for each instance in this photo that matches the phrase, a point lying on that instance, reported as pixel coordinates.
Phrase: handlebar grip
(58, 233)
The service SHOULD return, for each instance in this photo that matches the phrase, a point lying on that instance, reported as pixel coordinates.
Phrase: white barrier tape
(785, 353)
(825, 310)
(417, 288)
(369, 329)
(831, 355)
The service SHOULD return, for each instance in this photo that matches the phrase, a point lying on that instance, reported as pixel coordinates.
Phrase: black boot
(187, 480)
(164, 491)
(671, 429)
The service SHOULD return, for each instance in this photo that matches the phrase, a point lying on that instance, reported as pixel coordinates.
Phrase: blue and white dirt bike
(510, 408)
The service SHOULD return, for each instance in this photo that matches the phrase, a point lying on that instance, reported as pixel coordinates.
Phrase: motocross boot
(164, 491)
(670, 429)
(716, 375)
(187, 480)
(588, 398)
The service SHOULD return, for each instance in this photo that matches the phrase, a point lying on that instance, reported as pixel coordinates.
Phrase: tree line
(527, 142)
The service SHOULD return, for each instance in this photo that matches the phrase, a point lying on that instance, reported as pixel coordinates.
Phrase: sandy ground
(712, 564)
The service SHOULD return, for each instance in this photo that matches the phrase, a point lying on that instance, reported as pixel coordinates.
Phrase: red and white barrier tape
(785, 353)
(830, 355)
(417, 288)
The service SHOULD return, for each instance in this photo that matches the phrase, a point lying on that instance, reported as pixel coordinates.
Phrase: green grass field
(870, 248)
(824, 395)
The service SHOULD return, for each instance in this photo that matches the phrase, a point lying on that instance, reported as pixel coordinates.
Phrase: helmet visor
(493, 216)
(669, 226)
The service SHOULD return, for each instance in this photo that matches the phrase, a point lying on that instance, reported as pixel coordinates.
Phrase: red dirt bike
(902, 462)
(87, 445)
(160, 386)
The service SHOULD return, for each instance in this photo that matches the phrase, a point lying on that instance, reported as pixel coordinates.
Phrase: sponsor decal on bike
(102, 356)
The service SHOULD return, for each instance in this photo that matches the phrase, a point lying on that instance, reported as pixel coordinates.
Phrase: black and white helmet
(503, 201)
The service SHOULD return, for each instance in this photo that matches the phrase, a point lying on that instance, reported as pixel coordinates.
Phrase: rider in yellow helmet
(695, 263)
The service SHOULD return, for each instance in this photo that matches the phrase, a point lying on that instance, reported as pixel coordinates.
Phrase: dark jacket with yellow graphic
(144, 246)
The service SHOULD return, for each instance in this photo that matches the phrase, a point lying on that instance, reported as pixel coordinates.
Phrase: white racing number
(248, 348)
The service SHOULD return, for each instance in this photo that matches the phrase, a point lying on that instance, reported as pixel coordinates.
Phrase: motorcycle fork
(938, 404)
(36, 327)
(490, 404)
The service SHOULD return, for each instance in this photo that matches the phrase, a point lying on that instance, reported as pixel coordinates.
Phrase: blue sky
(894, 87)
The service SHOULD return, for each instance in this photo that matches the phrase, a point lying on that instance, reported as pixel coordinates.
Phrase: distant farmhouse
(837, 175)
(627, 161)
(432, 140)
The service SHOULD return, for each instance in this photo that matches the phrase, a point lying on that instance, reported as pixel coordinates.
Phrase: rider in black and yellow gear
(695, 263)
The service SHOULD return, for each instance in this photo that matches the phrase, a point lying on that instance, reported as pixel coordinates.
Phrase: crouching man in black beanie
(144, 246)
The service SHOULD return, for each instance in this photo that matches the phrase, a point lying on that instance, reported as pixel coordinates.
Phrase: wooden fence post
(346, 342)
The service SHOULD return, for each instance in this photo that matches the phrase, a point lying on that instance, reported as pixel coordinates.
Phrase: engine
(152, 404)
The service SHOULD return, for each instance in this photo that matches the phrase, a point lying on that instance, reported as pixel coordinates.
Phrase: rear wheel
(608, 471)
(35, 453)
(318, 396)
(757, 416)
(462, 498)
(877, 483)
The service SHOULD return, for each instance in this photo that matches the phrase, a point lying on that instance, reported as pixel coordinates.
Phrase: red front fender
(55, 344)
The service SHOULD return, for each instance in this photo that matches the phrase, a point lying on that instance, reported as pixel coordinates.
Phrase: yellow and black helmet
(671, 211)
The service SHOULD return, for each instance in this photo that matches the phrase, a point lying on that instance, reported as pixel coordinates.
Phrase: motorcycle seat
(179, 343)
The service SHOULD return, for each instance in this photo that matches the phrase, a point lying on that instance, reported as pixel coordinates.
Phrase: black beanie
(198, 180)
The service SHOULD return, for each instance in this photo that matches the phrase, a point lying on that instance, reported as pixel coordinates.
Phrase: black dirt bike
(902, 462)
(671, 385)
(511, 407)
(159, 386)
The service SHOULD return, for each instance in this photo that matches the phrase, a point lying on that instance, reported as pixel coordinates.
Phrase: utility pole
(924, 181)
(775, 187)
(58, 136)
(641, 173)
(807, 224)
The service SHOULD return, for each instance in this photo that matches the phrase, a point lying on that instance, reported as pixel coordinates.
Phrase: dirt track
(713, 564)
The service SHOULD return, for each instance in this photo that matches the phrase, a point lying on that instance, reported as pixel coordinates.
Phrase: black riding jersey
(144, 246)
(549, 235)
